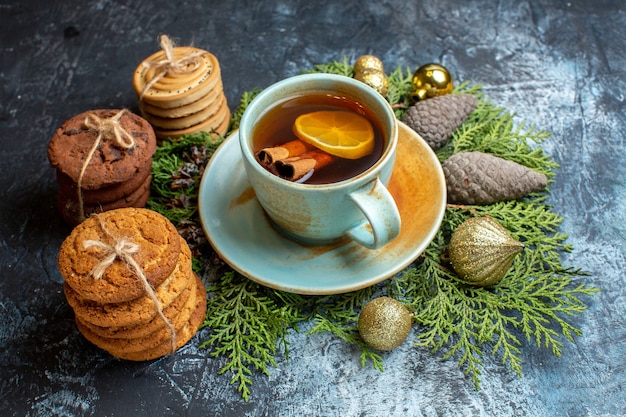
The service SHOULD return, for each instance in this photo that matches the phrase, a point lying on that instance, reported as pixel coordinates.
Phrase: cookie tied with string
(158, 252)
(103, 161)
(128, 278)
(180, 91)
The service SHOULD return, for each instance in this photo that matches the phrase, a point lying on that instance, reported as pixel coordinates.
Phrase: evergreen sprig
(244, 101)
(399, 92)
(248, 322)
(534, 302)
(531, 300)
(179, 159)
(334, 67)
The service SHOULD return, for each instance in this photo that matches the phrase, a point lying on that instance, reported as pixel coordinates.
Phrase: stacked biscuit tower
(103, 161)
(180, 92)
(129, 280)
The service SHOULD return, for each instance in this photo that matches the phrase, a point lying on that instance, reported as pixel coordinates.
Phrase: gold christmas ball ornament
(368, 62)
(482, 251)
(384, 323)
(369, 69)
(431, 80)
(375, 79)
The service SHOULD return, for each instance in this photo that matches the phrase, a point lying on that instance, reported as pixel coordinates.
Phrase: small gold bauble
(384, 323)
(482, 251)
(375, 79)
(431, 80)
(368, 62)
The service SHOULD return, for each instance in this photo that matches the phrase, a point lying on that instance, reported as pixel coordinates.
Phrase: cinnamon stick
(296, 167)
(267, 156)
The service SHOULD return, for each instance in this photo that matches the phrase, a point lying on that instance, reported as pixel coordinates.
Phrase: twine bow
(108, 129)
(184, 65)
(124, 250)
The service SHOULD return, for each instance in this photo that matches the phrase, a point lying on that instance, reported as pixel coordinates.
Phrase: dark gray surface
(558, 65)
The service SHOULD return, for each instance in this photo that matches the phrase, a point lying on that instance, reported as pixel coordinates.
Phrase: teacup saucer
(243, 236)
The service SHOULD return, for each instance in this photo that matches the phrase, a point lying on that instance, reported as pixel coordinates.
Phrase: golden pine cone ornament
(480, 179)
(437, 118)
(482, 251)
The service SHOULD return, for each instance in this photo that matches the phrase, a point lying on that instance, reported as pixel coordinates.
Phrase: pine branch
(399, 91)
(347, 332)
(335, 67)
(338, 314)
(171, 161)
(534, 301)
(533, 298)
(245, 100)
(246, 321)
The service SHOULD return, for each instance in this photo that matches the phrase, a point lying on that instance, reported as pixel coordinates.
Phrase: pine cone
(480, 178)
(435, 119)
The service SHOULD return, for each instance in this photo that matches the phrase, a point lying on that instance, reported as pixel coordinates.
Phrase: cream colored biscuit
(218, 125)
(186, 110)
(176, 88)
(209, 115)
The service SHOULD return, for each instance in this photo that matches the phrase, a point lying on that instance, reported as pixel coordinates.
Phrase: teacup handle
(380, 209)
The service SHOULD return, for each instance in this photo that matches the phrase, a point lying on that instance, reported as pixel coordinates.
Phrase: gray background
(558, 65)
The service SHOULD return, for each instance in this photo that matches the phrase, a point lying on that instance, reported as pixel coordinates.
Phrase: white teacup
(360, 207)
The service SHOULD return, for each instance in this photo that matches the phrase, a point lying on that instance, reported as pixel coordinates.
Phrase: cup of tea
(318, 191)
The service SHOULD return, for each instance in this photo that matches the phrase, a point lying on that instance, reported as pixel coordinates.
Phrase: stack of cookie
(180, 92)
(129, 280)
(103, 161)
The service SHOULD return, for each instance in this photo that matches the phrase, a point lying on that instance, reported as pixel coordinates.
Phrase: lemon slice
(340, 133)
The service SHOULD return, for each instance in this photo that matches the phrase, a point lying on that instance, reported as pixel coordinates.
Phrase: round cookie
(183, 335)
(136, 344)
(69, 209)
(142, 329)
(211, 114)
(139, 310)
(103, 195)
(218, 124)
(186, 110)
(176, 88)
(110, 165)
(158, 254)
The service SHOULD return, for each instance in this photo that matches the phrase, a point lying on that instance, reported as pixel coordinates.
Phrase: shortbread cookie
(217, 125)
(159, 250)
(176, 88)
(186, 110)
(180, 92)
(212, 114)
